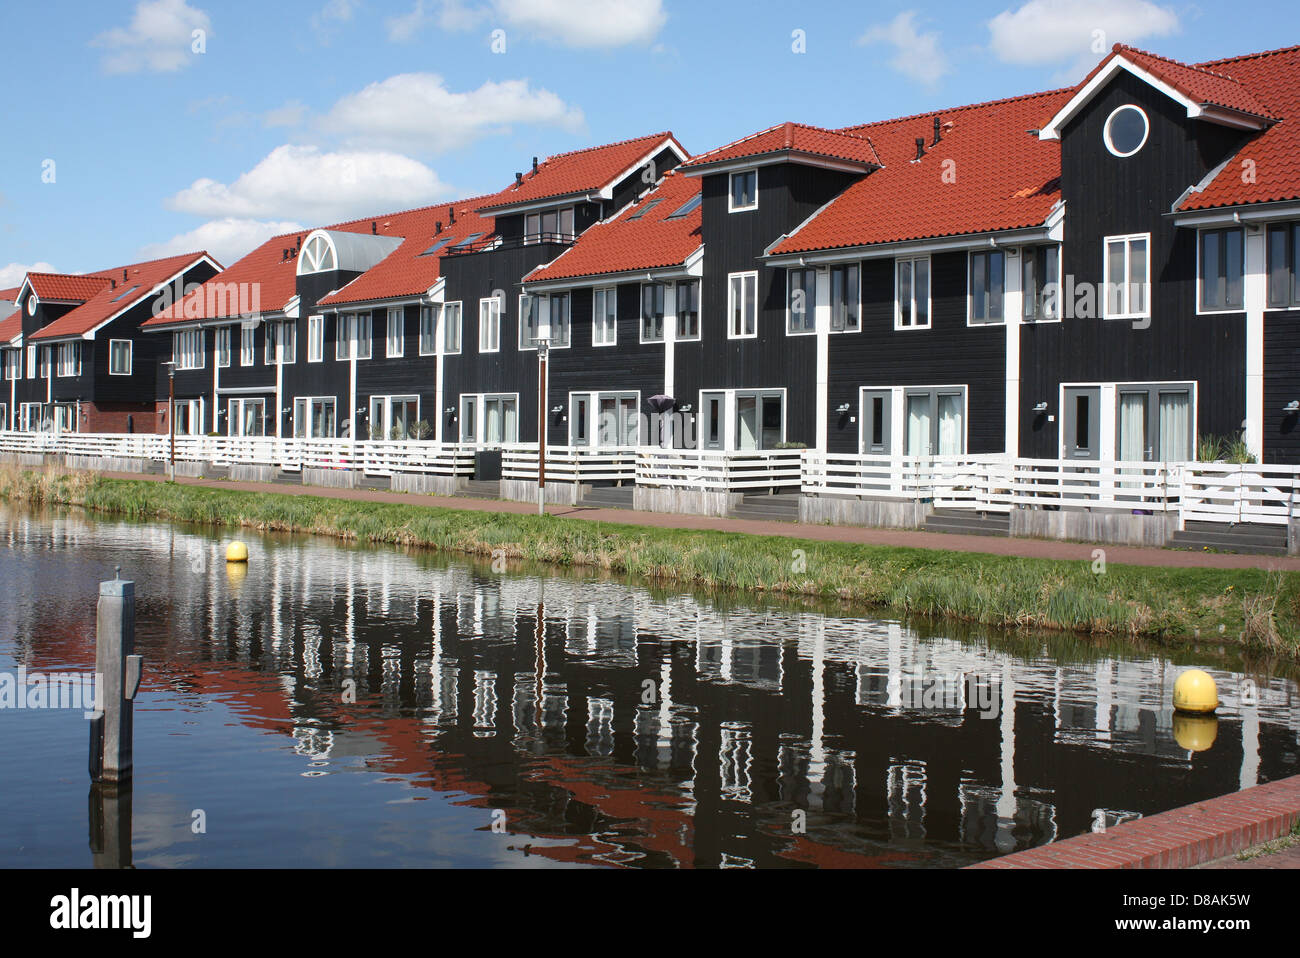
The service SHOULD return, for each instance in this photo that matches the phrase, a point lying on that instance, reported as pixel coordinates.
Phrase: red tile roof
(11, 326)
(793, 138)
(405, 271)
(1274, 77)
(1195, 81)
(65, 287)
(112, 293)
(986, 173)
(629, 242)
(581, 171)
(8, 295)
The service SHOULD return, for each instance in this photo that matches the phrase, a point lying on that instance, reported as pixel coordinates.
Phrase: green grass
(1247, 609)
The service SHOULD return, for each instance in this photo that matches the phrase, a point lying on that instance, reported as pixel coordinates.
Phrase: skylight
(686, 208)
(436, 246)
(125, 293)
(467, 240)
(647, 208)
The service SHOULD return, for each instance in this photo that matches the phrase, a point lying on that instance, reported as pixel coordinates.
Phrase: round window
(1126, 130)
(31, 305)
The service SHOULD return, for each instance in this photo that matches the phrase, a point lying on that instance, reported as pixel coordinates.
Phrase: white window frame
(449, 310)
(489, 325)
(1146, 133)
(306, 404)
(731, 191)
(280, 343)
(130, 356)
(731, 304)
(69, 361)
(316, 338)
(221, 346)
(430, 317)
(1053, 315)
(534, 235)
(235, 406)
(929, 292)
(1127, 239)
(395, 340)
(188, 349)
(479, 401)
(1201, 308)
(601, 296)
(32, 362)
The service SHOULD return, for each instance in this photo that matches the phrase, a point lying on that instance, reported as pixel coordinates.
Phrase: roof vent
(938, 130)
(437, 227)
(451, 214)
(519, 179)
(920, 149)
(285, 254)
(124, 276)
(374, 228)
(112, 284)
(534, 166)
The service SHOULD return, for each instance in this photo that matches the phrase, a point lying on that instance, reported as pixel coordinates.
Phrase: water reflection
(617, 725)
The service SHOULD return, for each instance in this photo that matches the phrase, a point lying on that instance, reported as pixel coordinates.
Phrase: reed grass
(1242, 608)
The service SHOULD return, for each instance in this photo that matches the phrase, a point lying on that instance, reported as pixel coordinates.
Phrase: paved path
(1029, 548)
(1286, 858)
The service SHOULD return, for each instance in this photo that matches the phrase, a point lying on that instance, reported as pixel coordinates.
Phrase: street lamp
(543, 348)
(171, 417)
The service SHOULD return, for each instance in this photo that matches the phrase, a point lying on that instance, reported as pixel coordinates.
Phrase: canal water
(331, 705)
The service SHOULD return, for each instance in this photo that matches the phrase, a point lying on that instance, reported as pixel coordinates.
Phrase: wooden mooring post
(117, 678)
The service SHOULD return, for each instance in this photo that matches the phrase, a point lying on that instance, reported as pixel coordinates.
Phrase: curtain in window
(918, 426)
(1132, 427)
(950, 426)
(1175, 427)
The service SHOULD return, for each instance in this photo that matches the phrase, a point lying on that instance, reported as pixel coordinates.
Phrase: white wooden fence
(1196, 491)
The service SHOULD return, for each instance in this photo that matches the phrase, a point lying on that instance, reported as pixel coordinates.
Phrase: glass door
(919, 423)
(1174, 433)
(1132, 441)
(747, 422)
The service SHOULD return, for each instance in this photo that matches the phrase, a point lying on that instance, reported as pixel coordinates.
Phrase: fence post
(117, 677)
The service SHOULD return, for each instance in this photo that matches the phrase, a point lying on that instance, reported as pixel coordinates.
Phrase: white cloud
(572, 23)
(586, 23)
(228, 239)
(916, 55)
(159, 38)
(334, 14)
(12, 275)
(303, 183)
(1075, 32)
(416, 112)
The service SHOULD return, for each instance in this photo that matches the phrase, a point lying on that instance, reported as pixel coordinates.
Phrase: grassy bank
(1241, 607)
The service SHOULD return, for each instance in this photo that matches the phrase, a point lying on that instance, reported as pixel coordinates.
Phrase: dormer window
(744, 191)
(549, 226)
(1126, 130)
(317, 256)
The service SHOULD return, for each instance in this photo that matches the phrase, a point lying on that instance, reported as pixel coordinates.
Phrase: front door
(1081, 422)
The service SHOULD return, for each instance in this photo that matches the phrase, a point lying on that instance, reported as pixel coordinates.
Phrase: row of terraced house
(1109, 271)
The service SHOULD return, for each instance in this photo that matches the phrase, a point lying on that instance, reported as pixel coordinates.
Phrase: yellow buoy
(1195, 691)
(236, 552)
(1195, 733)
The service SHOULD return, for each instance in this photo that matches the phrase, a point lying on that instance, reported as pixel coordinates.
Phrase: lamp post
(171, 418)
(543, 347)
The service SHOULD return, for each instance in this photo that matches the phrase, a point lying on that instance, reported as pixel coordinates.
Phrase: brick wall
(115, 417)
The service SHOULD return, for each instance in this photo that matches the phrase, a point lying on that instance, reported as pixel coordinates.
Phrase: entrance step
(481, 489)
(968, 522)
(609, 497)
(375, 482)
(782, 507)
(285, 478)
(1252, 539)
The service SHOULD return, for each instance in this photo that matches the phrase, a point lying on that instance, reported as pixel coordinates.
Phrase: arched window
(317, 255)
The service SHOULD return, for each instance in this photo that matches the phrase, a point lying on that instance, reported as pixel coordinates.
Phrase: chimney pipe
(519, 179)
(938, 126)
(534, 166)
(437, 227)
(451, 214)
(920, 149)
(374, 228)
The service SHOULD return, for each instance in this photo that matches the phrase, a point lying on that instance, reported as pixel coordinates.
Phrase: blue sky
(301, 112)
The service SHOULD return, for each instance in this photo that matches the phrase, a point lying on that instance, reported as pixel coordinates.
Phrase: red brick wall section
(1179, 838)
(112, 417)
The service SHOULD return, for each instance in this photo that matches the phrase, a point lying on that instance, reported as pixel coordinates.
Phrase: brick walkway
(1028, 548)
(1180, 838)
